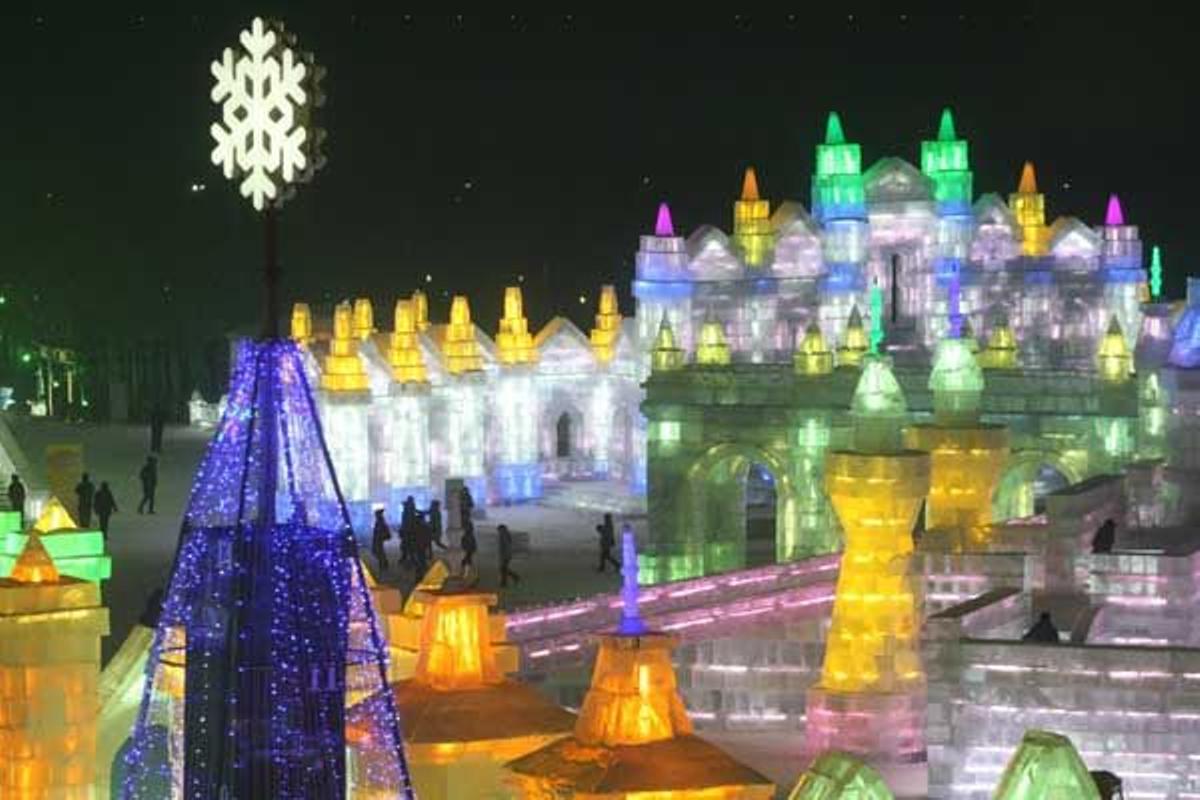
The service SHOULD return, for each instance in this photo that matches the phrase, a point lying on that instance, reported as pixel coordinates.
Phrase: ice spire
(631, 618)
(750, 185)
(665, 355)
(946, 126)
(1028, 184)
(1155, 273)
(1113, 216)
(663, 226)
(833, 129)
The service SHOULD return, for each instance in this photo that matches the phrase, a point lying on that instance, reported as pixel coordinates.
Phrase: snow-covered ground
(560, 563)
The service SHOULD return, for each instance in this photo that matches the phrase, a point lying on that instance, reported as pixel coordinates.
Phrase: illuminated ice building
(407, 408)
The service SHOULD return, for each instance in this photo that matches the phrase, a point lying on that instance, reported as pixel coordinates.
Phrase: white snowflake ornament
(266, 91)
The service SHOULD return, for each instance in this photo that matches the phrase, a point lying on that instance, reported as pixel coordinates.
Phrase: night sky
(480, 149)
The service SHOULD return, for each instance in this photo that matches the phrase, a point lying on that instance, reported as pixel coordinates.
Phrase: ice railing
(557, 635)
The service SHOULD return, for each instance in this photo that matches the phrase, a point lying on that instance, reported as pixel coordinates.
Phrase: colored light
(713, 350)
(26, 358)
(1046, 765)
(631, 619)
(1114, 360)
(608, 325)
(663, 225)
(876, 318)
(1156, 271)
(666, 356)
(813, 356)
(1113, 215)
(854, 344)
(267, 93)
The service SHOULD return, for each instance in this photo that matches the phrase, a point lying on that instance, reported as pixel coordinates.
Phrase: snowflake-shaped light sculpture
(267, 92)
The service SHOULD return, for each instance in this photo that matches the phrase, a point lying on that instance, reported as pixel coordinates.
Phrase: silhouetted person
(608, 540)
(153, 609)
(105, 505)
(408, 530)
(158, 420)
(422, 547)
(85, 493)
(379, 536)
(16, 496)
(469, 546)
(466, 504)
(435, 523)
(1042, 631)
(505, 543)
(1105, 538)
(149, 478)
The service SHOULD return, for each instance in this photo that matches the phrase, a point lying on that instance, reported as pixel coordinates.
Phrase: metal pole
(271, 273)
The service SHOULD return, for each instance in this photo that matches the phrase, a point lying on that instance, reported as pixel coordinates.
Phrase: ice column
(345, 406)
(407, 465)
(465, 388)
(944, 160)
(839, 205)
(517, 474)
(663, 286)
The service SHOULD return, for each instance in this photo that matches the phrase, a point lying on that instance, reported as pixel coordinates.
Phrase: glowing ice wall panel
(408, 457)
(345, 419)
(517, 474)
(464, 398)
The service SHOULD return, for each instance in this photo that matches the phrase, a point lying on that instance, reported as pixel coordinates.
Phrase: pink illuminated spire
(663, 226)
(1113, 216)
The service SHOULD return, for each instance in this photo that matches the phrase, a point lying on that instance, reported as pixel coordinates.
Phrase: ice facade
(407, 409)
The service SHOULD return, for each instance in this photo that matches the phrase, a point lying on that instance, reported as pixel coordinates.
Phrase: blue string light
(267, 623)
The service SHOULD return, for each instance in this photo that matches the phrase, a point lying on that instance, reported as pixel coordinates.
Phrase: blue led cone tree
(267, 642)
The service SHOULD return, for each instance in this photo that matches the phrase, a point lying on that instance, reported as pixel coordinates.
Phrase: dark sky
(569, 131)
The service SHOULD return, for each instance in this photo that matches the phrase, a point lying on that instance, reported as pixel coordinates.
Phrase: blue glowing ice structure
(267, 633)
(631, 617)
(1185, 350)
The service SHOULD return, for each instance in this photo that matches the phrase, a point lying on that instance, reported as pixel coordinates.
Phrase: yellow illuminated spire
(34, 564)
(1113, 358)
(404, 352)
(1001, 350)
(1029, 207)
(608, 325)
(54, 517)
(364, 319)
(420, 305)
(301, 324)
(813, 357)
(460, 348)
(854, 343)
(752, 222)
(712, 350)
(666, 355)
(513, 341)
(1028, 184)
(343, 370)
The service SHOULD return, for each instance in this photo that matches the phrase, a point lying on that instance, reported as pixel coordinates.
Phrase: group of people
(419, 532)
(88, 499)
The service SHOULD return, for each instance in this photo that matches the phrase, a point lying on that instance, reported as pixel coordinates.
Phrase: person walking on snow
(85, 493)
(506, 555)
(379, 535)
(608, 540)
(105, 505)
(149, 478)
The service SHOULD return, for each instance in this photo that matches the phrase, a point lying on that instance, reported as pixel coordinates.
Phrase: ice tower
(1029, 207)
(50, 631)
(408, 460)
(465, 387)
(345, 412)
(302, 331)
(517, 472)
(966, 456)
(663, 286)
(1124, 278)
(870, 700)
(752, 223)
(944, 160)
(839, 204)
(268, 615)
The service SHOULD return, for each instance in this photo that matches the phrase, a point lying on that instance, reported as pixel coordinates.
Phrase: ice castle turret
(465, 390)
(944, 160)
(712, 350)
(363, 324)
(302, 332)
(1123, 276)
(666, 355)
(1114, 361)
(752, 222)
(813, 356)
(517, 473)
(870, 700)
(966, 456)
(407, 464)
(1029, 207)
(345, 413)
(663, 285)
(839, 205)
(854, 342)
(608, 325)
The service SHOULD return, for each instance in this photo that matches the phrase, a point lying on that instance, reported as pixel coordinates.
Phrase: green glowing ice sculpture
(879, 408)
(1046, 767)
(838, 776)
(956, 382)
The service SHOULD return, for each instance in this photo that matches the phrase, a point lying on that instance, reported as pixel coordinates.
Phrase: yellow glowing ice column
(604, 337)
(1029, 207)
(463, 717)
(407, 466)
(854, 343)
(517, 472)
(345, 406)
(50, 631)
(363, 324)
(302, 332)
(712, 350)
(966, 456)
(752, 222)
(420, 305)
(1001, 350)
(465, 434)
(1113, 359)
(813, 356)
(870, 701)
(666, 356)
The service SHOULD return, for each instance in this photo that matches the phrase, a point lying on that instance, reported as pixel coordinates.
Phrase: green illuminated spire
(876, 318)
(838, 776)
(944, 160)
(946, 126)
(1046, 765)
(878, 408)
(956, 381)
(833, 129)
(1155, 272)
